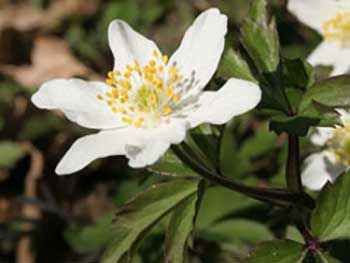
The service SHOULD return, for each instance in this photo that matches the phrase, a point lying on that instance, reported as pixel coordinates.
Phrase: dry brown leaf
(51, 58)
(23, 16)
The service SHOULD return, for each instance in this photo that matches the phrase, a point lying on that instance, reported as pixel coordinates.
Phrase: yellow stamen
(165, 59)
(166, 110)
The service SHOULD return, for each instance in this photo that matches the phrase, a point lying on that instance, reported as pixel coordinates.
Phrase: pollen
(166, 110)
(337, 29)
(142, 94)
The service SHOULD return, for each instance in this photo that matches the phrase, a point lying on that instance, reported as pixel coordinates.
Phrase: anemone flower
(331, 19)
(149, 100)
(334, 158)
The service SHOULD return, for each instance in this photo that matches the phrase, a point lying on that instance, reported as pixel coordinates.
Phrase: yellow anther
(154, 99)
(145, 69)
(166, 110)
(129, 68)
(127, 74)
(122, 111)
(131, 108)
(99, 97)
(172, 70)
(114, 109)
(110, 82)
(124, 99)
(117, 73)
(110, 74)
(149, 77)
(165, 59)
(110, 102)
(109, 95)
(136, 62)
(139, 122)
(158, 83)
(152, 63)
(338, 29)
(161, 69)
(127, 120)
(152, 69)
(169, 91)
(115, 93)
(155, 53)
(176, 98)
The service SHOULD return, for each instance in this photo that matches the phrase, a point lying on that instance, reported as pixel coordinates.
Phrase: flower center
(339, 144)
(337, 29)
(144, 94)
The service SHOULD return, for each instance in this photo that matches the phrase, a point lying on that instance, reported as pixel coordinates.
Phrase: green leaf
(169, 163)
(10, 153)
(230, 155)
(324, 258)
(219, 202)
(180, 227)
(331, 218)
(233, 65)
(241, 230)
(295, 125)
(283, 251)
(333, 93)
(136, 217)
(92, 237)
(299, 73)
(260, 38)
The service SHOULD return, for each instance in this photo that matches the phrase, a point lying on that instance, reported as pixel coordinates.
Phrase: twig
(24, 254)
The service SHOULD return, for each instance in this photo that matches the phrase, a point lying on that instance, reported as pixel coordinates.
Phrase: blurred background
(46, 218)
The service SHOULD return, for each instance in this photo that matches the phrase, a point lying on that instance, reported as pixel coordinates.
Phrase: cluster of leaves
(294, 102)
(173, 215)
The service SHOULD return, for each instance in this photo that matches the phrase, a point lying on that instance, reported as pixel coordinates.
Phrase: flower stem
(293, 174)
(277, 197)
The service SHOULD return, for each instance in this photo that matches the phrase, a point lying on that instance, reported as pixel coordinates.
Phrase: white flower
(331, 18)
(148, 102)
(334, 159)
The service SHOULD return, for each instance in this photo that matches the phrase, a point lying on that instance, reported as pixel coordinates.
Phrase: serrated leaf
(233, 65)
(333, 93)
(281, 251)
(10, 153)
(141, 213)
(331, 218)
(180, 227)
(299, 73)
(260, 38)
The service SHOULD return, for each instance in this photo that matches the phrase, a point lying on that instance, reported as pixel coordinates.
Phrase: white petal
(127, 45)
(77, 99)
(342, 63)
(319, 169)
(322, 135)
(314, 12)
(344, 115)
(202, 46)
(327, 53)
(141, 146)
(149, 145)
(234, 98)
(91, 147)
